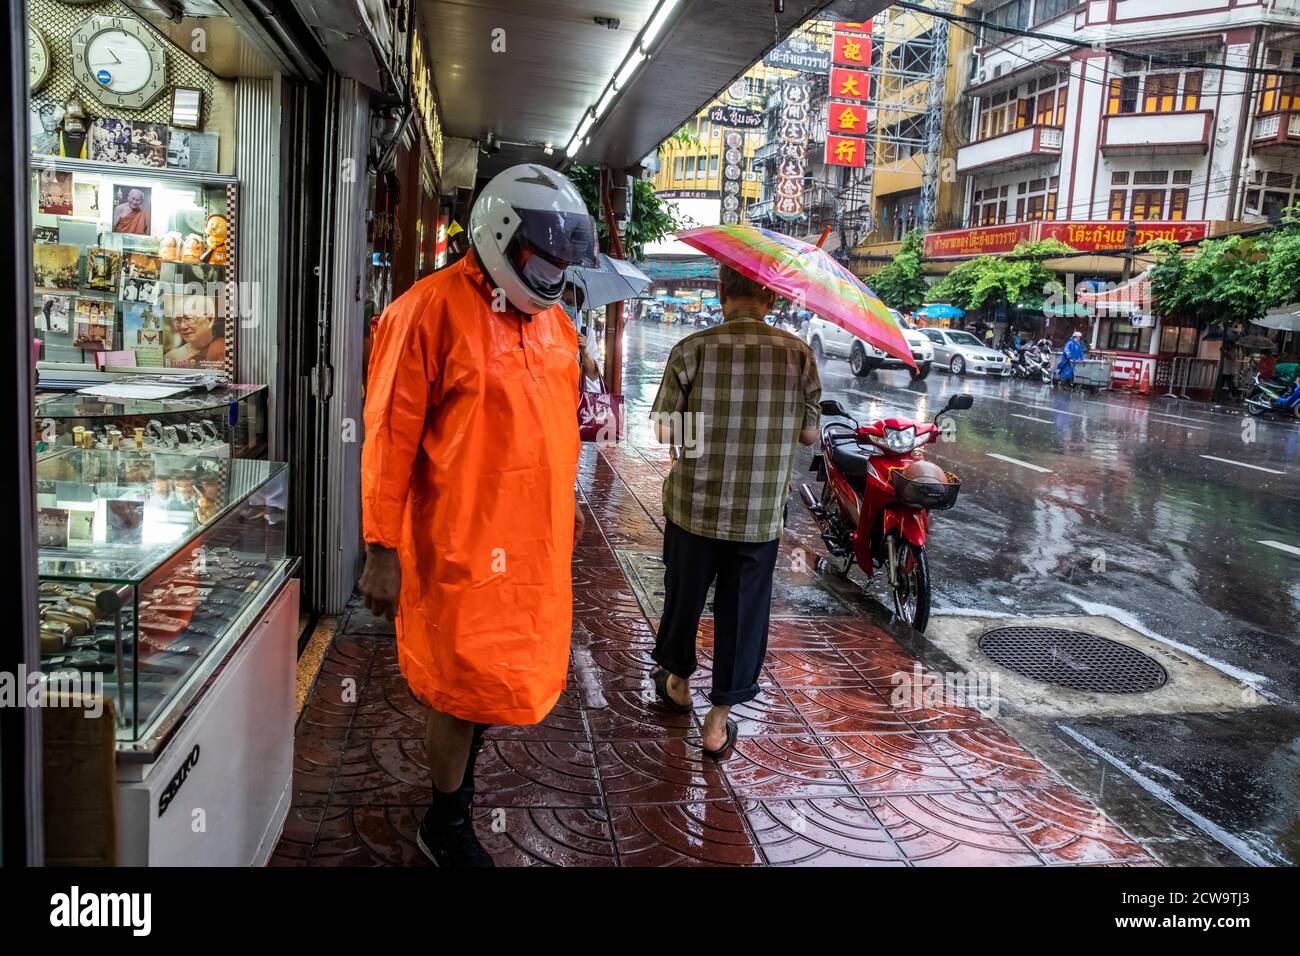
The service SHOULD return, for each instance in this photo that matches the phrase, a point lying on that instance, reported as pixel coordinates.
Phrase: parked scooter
(1267, 395)
(877, 494)
(1038, 361)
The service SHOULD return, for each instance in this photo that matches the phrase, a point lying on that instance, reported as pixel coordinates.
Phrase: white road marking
(1183, 418)
(1017, 461)
(1161, 792)
(1044, 408)
(1242, 464)
(1031, 418)
(1195, 428)
(1289, 549)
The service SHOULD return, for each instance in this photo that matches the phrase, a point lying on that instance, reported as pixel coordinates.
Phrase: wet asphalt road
(1170, 516)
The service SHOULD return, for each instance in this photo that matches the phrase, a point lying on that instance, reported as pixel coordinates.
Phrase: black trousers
(742, 603)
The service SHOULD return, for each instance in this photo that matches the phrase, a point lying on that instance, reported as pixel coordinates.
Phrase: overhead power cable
(1086, 44)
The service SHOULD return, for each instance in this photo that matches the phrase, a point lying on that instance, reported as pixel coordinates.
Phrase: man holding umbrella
(738, 398)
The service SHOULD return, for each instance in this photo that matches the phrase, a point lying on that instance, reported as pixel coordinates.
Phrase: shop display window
(133, 268)
(151, 566)
(223, 423)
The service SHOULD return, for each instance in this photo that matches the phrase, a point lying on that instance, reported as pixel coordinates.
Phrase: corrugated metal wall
(344, 322)
(258, 160)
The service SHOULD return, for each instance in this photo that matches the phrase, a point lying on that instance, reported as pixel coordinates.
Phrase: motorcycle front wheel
(911, 590)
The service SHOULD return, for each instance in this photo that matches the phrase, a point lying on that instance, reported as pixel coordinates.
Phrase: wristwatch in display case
(147, 582)
(227, 422)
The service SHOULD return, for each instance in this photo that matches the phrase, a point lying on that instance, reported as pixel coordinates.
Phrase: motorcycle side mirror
(959, 403)
(831, 407)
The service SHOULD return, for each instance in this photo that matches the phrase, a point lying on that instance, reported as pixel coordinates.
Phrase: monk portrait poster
(132, 207)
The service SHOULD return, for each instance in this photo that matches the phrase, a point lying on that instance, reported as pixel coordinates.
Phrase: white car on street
(828, 340)
(960, 352)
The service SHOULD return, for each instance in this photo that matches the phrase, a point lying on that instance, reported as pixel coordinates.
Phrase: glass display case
(226, 422)
(151, 567)
(133, 266)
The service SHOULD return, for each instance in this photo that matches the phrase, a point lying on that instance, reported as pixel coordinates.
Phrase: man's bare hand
(579, 522)
(381, 582)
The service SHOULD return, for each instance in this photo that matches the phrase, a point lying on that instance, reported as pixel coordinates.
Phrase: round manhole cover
(1073, 659)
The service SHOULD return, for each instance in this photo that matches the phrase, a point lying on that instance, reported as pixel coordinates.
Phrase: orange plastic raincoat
(468, 469)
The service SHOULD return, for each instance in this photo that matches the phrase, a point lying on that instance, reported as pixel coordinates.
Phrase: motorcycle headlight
(898, 440)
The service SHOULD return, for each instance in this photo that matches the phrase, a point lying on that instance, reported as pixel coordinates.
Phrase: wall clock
(38, 58)
(119, 61)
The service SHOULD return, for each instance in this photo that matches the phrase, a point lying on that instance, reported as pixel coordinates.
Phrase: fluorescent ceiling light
(610, 92)
(630, 65)
(657, 23)
(585, 125)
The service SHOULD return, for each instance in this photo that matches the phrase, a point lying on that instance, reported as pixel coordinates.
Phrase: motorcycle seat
(850, 460)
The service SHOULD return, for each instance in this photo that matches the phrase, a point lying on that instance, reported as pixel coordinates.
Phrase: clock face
(119, 61)
(38, 59)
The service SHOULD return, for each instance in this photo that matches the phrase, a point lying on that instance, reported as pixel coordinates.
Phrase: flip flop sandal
(660, 678)
(733, 731)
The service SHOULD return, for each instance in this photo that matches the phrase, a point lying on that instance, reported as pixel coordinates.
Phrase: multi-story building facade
(1160, 119)
(1165, 122)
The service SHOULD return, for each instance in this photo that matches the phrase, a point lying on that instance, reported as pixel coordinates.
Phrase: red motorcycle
(877, 494)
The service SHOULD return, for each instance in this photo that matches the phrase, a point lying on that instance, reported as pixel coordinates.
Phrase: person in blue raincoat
(1074, 351)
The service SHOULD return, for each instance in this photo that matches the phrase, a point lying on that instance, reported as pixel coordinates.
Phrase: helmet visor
(567, 237)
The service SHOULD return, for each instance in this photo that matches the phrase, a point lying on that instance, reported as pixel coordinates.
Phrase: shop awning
(1130, 298)
(557, 60)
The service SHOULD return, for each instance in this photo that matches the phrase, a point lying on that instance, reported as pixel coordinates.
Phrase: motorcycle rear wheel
(911, 593)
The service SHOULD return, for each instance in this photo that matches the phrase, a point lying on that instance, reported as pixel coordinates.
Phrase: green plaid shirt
(738, 395)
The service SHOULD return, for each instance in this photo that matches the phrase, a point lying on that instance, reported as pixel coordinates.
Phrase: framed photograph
(125, 521)
(132, 209)
(45, 234)
(197, 335)
(56, 266)
(140, 265)
(85, 200)
(52, 527)
(148, 145)
(53, 313)
(142, 333)
(81, 526)
(94, 325)
(149, 291)
(110, 140)
(187, 107)
(55, 192)
(102, 266)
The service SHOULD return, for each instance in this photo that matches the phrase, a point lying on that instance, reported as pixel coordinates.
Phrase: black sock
(447, 808)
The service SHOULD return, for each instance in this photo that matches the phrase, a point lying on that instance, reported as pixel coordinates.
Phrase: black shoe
(451, 844)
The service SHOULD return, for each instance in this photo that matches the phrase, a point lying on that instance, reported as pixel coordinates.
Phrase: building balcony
(1276, 131)
(1180, 132)
(1020, 147)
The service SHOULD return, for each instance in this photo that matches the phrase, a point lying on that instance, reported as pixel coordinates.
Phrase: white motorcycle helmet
(528, 225)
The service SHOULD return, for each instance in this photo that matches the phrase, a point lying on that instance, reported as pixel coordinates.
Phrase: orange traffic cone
(1145, 384)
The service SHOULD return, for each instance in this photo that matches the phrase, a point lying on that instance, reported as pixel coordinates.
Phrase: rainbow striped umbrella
(806, 275)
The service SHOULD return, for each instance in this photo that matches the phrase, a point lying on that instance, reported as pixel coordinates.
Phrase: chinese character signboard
(847, 116)
(849, 84)
(733, 167)
(846, 119)
(852, 49)
(845, 151)
(788, 202)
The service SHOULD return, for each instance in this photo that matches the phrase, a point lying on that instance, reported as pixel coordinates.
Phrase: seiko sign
(177, 781)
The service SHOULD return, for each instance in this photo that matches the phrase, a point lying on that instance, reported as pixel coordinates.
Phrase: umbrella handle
(826, 231)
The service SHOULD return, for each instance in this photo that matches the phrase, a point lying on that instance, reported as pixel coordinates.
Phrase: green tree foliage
(901, 284)
(1015, 279)
(1225, 282)
(652, 217)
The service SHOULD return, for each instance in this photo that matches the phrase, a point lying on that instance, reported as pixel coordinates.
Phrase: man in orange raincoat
(468, 473)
